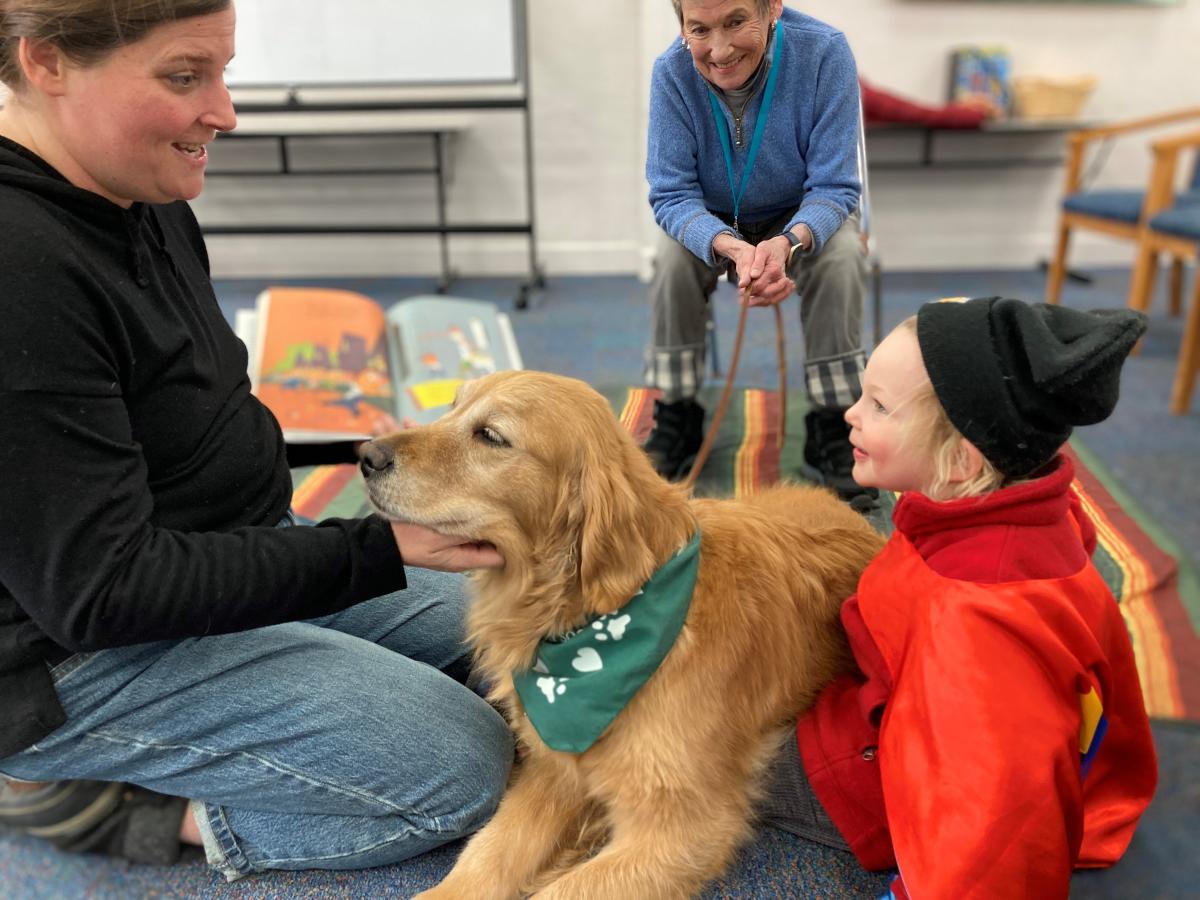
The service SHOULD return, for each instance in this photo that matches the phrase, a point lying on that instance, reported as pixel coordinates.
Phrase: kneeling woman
(270, 692)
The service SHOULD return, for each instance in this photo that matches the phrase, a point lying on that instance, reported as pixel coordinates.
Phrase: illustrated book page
(437, 343)
(320, 363)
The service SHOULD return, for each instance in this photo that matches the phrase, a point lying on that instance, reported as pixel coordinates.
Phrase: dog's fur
(538, 465)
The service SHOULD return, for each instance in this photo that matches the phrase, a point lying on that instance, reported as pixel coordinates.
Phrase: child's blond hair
(931, 428)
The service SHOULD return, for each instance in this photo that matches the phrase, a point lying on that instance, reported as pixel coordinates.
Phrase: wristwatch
(795, 245)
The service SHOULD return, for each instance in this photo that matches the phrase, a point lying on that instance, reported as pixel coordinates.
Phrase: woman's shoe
(97, 817)
(57, 807)
(676, 437)
(829, 459)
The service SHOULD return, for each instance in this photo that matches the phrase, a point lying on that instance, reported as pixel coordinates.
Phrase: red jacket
(997, 738)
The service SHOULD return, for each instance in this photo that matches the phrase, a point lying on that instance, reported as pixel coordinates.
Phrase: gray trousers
(790, 804)
(831, 285)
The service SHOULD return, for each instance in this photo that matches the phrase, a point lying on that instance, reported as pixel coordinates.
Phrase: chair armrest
(1086, 135)
(1077, 141)
(1176, 142)
(1160, 191)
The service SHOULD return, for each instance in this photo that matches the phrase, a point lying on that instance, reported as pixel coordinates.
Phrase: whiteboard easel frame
(295, 87)
(381, 97)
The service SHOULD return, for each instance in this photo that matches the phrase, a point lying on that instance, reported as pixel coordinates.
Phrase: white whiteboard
(324, 42)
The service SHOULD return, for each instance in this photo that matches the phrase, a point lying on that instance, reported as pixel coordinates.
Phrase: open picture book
(330, 363)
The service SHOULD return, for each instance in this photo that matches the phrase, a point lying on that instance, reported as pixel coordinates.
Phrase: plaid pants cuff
(835, 382)
(678, 372)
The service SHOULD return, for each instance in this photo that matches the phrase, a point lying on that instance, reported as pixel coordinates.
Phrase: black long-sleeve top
(140, 481)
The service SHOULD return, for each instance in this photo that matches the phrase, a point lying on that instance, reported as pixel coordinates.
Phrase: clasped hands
(761, 268)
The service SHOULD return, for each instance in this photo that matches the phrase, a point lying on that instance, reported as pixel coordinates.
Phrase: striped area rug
(1155, 583)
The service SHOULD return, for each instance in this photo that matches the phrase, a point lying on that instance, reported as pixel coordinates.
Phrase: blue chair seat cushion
(1190, 197)
(1182, 220)
(1123, 206)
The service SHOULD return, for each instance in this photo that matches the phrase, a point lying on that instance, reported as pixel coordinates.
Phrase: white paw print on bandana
(552, 687)
(614, 627)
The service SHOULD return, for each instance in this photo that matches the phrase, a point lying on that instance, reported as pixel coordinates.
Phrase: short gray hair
(764, 8)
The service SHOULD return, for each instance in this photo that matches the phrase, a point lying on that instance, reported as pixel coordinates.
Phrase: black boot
(678, 433)
(829, 458)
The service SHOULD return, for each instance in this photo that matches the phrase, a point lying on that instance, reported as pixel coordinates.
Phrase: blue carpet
(594, 329)
(1161, 862)
(776, 865)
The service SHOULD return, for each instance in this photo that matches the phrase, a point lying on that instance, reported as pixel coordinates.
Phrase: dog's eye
(490, 436)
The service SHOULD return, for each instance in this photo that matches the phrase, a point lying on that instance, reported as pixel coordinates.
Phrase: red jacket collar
(1034, 529)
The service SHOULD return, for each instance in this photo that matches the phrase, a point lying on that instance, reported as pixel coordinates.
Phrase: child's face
(886, 455)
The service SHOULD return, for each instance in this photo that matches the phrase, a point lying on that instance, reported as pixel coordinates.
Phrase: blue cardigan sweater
(809, 152)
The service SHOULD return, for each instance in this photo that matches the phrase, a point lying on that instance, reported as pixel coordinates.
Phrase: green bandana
(580, 681)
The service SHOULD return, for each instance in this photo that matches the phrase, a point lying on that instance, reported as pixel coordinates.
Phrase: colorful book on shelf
(330, 363)
(981, 73)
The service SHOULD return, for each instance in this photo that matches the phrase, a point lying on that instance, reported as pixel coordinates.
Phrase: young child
(996, 738)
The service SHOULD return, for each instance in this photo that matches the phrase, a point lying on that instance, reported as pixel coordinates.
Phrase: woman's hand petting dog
(429, 549)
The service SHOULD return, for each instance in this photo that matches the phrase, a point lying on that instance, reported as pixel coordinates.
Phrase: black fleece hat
(1015, 377)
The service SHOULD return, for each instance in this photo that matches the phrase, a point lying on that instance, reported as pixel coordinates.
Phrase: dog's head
(537, 465)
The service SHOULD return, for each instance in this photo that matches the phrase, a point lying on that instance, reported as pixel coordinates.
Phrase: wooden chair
(1171, 224)
(1116, 213)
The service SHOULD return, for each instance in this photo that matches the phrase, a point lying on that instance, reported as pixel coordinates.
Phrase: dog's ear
(631, 520)
(558, 549)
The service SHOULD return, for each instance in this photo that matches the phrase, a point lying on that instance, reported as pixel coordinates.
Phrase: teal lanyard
(759, 127)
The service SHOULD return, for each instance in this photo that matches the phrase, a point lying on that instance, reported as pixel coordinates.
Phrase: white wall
(1145, 59)
(589, 73)
(590, 65)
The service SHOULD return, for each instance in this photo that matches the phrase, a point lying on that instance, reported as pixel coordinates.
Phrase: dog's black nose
(374, 457)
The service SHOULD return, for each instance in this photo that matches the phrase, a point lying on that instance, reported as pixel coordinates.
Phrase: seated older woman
(753, 166)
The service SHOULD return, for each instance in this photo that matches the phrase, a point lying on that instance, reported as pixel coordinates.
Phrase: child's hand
(385, 424)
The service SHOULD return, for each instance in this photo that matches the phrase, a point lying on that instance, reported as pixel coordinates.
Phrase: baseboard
(242, 256)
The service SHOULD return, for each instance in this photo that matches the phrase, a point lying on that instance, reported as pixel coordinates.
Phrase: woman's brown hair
(86, 31)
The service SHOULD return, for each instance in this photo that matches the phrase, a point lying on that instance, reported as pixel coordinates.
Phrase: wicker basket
(1038, 97)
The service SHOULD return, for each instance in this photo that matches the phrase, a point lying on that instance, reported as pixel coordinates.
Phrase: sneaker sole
(104, 803)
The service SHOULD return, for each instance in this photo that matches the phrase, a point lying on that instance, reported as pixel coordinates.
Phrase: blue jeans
(337, 743)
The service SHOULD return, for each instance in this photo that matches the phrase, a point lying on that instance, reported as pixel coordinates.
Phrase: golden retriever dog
(537, 465)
